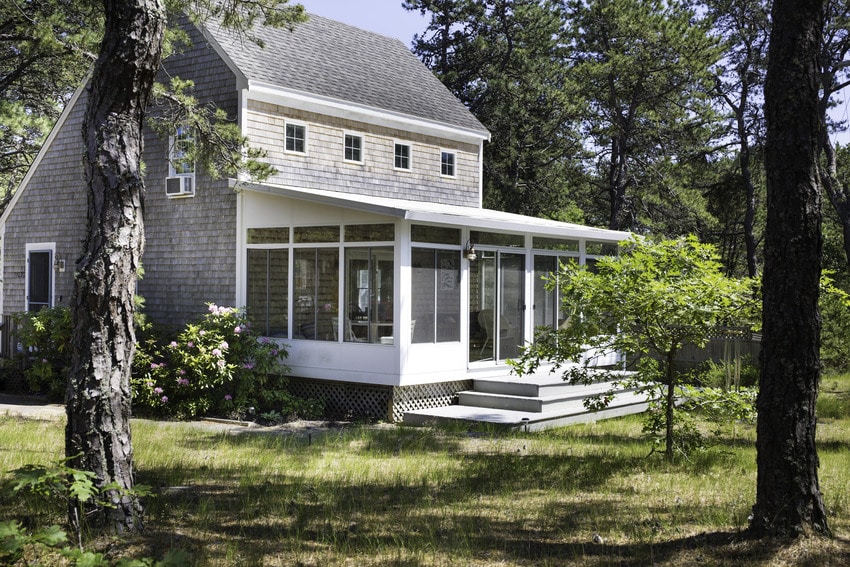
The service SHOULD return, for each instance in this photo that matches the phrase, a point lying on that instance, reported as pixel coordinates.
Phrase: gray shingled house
(368, 251)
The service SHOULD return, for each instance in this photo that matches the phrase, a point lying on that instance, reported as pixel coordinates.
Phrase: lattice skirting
(379, 402)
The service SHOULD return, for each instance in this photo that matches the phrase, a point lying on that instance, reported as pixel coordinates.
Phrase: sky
(385, 17)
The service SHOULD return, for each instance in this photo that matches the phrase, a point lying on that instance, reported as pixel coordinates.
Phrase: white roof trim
(45, 147)
(264, 92)
(453, 215)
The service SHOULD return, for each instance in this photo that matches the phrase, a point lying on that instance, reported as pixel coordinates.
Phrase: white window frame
(361, 149)
(296, 124)
(173, 148)
(49, 247)
(409, 147)
(452, 153)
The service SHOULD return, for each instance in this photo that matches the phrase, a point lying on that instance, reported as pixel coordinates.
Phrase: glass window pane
(353, 148)
(600, 248)
(295, 137)
(268, 236)
(497, 239)
(447, 164)
(434, 234)
(369, 233)
(402, 156)
(545, 243)
(315, 234)
(545, 301)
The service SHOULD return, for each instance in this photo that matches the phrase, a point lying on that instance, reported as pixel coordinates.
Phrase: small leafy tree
(648, 302)
(45, 336)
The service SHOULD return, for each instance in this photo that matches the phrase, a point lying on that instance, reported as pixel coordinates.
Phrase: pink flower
(202, 332)
(154, 365)
(190, 344)
(173, 344)
(237, 329)
(228, 397)
(248, 365)
(165, 399)
(183, 382)
(213, 308)
(223, 345)
(221, 363)
(216, 352)
(181, 372)
(157, 390)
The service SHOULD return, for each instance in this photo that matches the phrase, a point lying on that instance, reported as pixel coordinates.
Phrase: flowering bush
(215, 366)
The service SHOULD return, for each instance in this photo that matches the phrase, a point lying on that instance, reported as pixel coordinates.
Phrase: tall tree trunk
(788, 498)
(98, 398)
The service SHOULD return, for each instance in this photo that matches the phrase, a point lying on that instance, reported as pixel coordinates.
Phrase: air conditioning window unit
(180, 186)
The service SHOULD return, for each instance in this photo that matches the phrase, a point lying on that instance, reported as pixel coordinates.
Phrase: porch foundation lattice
(379, 402)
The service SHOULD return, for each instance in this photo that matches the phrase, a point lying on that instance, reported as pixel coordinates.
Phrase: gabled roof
(336, 61)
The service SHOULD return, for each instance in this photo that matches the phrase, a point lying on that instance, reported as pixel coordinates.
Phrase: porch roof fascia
(436, 213)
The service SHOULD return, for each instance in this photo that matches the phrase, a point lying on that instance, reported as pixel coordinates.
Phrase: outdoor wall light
(469, 252)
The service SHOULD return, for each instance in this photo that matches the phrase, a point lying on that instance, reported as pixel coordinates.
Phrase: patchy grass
(396, 496)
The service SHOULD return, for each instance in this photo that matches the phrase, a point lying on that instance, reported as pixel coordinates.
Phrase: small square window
(296, 135)
(447, 164)
(402, 156)
(353, 148)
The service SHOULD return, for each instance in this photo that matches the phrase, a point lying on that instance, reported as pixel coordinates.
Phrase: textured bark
(98, 399)
(788, 498)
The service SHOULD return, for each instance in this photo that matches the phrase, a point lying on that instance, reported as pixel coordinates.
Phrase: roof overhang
(435, 213)
(309, 102)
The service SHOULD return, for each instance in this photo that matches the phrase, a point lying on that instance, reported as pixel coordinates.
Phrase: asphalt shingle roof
(331, 59)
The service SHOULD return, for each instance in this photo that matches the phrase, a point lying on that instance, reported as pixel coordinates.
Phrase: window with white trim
(295, 138)
(402, 156)
(447, 163)
(181, 152)
(353, 144)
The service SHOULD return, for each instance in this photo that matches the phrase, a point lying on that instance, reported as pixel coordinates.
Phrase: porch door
(39, 272)
(496, 306)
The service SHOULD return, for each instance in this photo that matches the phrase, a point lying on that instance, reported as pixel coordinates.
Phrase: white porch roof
(426, 212)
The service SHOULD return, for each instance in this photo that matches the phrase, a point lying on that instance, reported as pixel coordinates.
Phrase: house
(368, 251)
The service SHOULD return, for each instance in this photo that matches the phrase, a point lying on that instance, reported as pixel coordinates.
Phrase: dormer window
(353, 148)
(447, 163)
(296, 138)
(402, 156)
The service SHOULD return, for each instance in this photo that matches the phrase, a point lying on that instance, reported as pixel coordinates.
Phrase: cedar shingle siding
(190, 250)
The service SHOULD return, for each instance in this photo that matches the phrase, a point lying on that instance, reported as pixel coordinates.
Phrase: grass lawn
(396, 496)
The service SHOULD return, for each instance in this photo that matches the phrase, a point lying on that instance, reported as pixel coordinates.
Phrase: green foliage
(64, 488)
(216, 366)
(648, 302)
(834, 307)
(46, 47)
(46, 339)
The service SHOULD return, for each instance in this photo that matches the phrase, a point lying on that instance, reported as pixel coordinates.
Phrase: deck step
(512, 419)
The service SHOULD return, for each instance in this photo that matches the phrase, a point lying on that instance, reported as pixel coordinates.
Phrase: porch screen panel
(436, 295)
(545, 301)
(316, 288)
(369, 291)
(268, 284)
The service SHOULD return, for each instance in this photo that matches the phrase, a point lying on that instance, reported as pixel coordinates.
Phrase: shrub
(216, 366)
(45, 336)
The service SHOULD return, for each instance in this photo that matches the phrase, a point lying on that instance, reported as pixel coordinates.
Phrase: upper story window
(402, 156)
(353, 148)
(447, 163)
(181, 154)
(296, 137)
